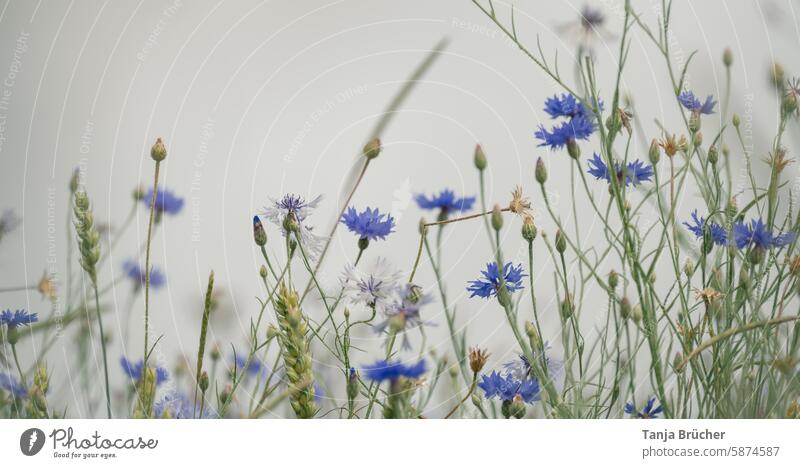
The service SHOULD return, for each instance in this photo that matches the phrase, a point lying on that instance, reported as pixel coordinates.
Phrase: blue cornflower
(369, 224)
(718, 233)
(13, 387)
(635, 172)
(17, 318)
(564, 106)
(579, 127)
(507, 387)
(446, 201)
(253, 368)
(387, 370)
(690, 102)
(137, 275)
(757, 235)
(134, 371)
(166, 201)
(487, 286)
(648, 412)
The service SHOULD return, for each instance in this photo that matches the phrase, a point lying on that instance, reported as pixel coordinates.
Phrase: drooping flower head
(17, 318)
(507, 387)
(756, 234)
(166, 202)
(10, 385)
(369, 224)
(489, 284)
(134, 371)
(290, 214)
(650, 410)
(445, 201)
(718, 233)
(137, 275)
(375, 287)
(691, 103)
(392, 371)
(635, 172)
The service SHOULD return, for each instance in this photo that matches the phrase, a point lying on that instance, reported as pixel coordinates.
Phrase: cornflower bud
(158, 152)
(373, 148)
(480, 158)
(497, 218)
(541, 171)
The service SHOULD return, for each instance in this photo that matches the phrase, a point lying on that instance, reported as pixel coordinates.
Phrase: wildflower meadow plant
(658, 277)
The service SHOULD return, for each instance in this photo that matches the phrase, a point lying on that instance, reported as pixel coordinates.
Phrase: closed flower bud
(528, 229)
(352, 384)
(637, 313)
(561, 241)
(533, 335)
(756, 255)
(676, 363)
(422, 227)
(744, 280)
(517, 408)
(497, 218)
(726, 150)
(215, 353)
(573, 149)
(655, 152)
(613, 279)
(688, 268)
(789, 103)
(262, 272)
(727, 57)
(651, 278)
(694, 122)
(777, 75)
(373, 148)
(541, 171)
(713, 154)
(567, 306)
(203, 381)
(158, 152)
(259, 235)
(480, 158)
(697, 140)
(736, 120)
(732, 208)
(625, 308)
(138, 193)
(290, 223)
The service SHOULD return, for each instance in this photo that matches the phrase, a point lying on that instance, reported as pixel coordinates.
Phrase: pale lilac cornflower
(403, 313)
(291, 211)
(375, 287)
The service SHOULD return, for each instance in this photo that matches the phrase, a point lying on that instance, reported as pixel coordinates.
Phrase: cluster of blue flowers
(744, 235)
(17, 318)
(137, 275)
(507, 387)
(635, 172)
(134, 371)
(579, 123)
(489, 284)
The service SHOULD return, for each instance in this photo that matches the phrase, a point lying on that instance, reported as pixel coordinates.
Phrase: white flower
(297, 207)
(376, 287)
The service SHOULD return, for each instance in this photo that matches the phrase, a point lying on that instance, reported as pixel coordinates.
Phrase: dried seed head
(477, 359)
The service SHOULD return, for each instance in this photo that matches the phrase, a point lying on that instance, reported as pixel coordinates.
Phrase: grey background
(258, 98)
